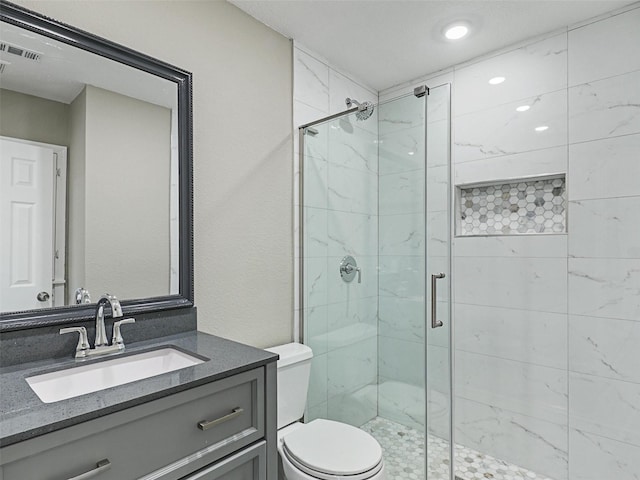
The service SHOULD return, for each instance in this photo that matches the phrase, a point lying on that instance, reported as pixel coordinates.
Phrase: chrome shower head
(365, 109)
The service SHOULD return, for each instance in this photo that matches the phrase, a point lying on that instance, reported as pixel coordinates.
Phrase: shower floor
(403, 450)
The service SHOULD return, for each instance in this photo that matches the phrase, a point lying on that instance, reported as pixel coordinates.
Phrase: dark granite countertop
(23, 415)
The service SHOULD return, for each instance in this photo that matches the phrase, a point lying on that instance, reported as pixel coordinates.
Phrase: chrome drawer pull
(206, 425)
(101, 466)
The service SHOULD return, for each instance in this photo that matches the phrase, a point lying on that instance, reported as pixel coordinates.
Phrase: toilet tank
(294, 368)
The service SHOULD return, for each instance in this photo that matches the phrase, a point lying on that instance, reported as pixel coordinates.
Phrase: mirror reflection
(88, 176)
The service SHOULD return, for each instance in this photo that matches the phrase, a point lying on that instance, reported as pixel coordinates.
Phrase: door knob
(43, 297)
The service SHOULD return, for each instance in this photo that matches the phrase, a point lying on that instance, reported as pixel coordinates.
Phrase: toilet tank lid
(291, 353)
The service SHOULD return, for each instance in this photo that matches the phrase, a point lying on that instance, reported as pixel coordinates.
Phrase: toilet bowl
(321, 449)
(328, 450)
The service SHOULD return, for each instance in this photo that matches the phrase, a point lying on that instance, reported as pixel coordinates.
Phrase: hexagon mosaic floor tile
(524, 207)
(403, 452)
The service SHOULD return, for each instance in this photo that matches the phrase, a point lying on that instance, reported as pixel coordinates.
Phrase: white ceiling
(63, 70)
(387, 42)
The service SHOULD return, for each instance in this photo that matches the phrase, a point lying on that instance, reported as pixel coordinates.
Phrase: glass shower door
(375, 232)
(414, 371)
(438, 264)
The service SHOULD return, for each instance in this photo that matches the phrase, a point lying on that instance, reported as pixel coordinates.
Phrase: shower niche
(525, 206)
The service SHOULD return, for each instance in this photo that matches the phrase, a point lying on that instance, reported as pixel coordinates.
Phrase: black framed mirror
(142, 84)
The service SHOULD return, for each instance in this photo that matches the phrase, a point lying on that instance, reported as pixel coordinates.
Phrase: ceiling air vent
(20, 52)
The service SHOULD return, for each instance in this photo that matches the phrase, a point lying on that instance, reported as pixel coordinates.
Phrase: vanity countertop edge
(24, 416)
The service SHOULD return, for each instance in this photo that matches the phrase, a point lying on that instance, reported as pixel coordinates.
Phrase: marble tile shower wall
(340, 218)
(547, 327)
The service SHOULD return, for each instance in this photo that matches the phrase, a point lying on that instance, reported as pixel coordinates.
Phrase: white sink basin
(76, 381)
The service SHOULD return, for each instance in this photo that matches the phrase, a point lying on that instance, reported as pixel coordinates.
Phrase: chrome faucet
(101, 344)
(82, 296)
(116, 311)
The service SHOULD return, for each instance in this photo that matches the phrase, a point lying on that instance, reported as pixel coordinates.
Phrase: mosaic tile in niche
(521, 207)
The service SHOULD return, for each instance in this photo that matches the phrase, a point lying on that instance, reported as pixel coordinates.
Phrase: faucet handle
(117, 336)
(83, 341)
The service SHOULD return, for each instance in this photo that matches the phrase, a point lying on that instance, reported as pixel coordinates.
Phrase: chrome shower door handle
(435, 323)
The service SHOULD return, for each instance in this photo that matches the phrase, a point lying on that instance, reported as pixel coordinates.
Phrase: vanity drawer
(250, 463)
(181, 432)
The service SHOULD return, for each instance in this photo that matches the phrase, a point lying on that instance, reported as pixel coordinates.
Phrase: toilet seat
(329, 450)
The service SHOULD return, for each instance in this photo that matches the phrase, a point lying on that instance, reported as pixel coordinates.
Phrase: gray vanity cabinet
(214, 431)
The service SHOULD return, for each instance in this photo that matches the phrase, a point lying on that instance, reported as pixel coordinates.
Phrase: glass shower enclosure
(374, 279)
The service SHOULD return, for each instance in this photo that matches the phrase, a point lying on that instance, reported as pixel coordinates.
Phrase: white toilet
(321, 449)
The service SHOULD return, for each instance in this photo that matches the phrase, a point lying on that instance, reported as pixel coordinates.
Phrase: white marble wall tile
(303, 114)
(605, 228)
(605, 48)
(607, 288)
(317, 146)
(402, 318)
(352, 367)
(438, 104)
(401, 402)
(352, 322)
(352, 234)
(311, 80)
(604, 168)
(315, 232)
(341, 87)
(401, 193)
(528, 389)
(401, 276)
(354, 408)
(598, 458)
(504, 131)
(532, 443)
(521, 283)
(438, 144)
(402, 151)
(532, 246)
(605, 108)
(317, 411)
(315, 183)
(401, 234)
(606, 407)
(536, 68)
(352, 147)
(351, 190)
(437, 188)
(340, 291)
(438, 234)
(438, 414)
(520, 165)
(438, 368)
(316, 327)
(317, 394)
(401, 114)
(538, 338)
(315, 281)
(401, 360)
(604, 347)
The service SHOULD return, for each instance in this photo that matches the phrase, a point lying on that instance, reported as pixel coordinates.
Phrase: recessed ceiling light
(541, 128)
(497, 80)
(456, 32)
(523, 108)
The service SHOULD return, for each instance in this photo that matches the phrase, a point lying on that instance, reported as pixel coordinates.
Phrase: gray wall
(33, 118)
(119, 217)
(242, 148)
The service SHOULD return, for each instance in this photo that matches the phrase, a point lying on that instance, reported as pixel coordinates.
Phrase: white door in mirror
(26, 217)
(73, 382)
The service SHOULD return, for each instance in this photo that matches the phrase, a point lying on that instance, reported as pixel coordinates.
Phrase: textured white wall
(242, 150)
